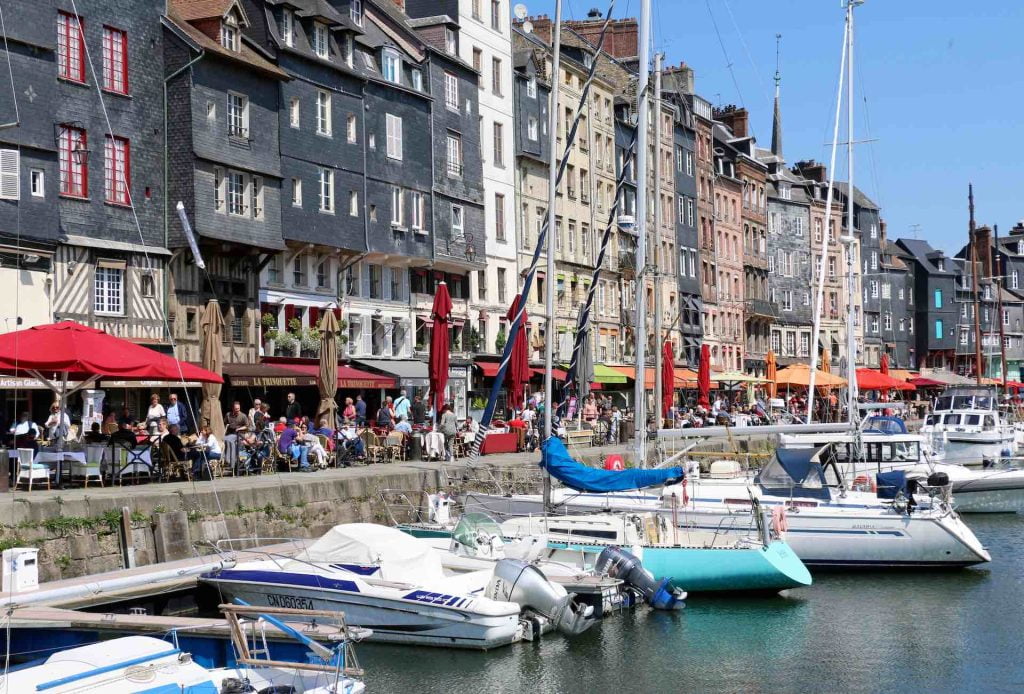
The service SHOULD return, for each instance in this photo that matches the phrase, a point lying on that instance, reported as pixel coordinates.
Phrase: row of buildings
(349, 155)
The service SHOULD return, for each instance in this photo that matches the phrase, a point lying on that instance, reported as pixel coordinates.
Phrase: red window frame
(115, 60)
(116, 190)
(70, 47)
(74, 177)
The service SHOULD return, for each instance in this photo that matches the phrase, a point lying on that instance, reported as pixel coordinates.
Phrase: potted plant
(499, 341)
(286, 344)
(270, 336)
(473, 341)
(309, 342)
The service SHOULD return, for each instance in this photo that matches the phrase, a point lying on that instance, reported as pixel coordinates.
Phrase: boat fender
(779, 523)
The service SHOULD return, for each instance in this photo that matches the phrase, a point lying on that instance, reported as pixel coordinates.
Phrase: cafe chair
(29, 471)
(91, 468)
(395, 444)
(375, 452)
(330, 461)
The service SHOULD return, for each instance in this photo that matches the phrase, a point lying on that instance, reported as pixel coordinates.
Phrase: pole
(640, 394)
(657, 242)
(851, 286)
(827, 231)
(973, 255)
(549, 299)
(996, 261)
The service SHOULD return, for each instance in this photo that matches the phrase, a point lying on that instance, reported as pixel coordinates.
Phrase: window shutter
(10, 187)
(289, 313)
(385, 283)
(364, 276)
(337, 313)
(314, 316)
(404, 284)
(367, 334)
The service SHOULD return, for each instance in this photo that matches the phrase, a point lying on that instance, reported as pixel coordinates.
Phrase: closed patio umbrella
(437, 375)
(212, 326)
(704, 378)
(883, 367)
(585, 369)
(327, 379)
(772, 369)
(517, 375)
(668, 377)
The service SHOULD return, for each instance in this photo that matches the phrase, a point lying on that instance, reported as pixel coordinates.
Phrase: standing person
(449, 426)
(178, 414)
(419, 411)
(288, 445)
(385, 415)
(349, 411)
(402, 405)
(207, 449)
(590, 410)
(360, 411)
(156, 411)
(261, 418)
(256, 405)
(236, 423)
(293, 410)
(26, 433)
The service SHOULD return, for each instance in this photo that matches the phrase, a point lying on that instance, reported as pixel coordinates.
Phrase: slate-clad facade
(690, 302)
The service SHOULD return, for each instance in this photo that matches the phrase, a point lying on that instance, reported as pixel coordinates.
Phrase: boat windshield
(473, 525)
(944, 403)
(972, 419)
(951, 420)
(931, 420)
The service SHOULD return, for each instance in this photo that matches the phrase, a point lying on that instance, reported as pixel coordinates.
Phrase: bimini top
(560, 465)
(885, 425)
(375, 551)
(794, 472)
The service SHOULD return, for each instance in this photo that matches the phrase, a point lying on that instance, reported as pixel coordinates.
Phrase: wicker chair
(395, 444)
(375, 452)
(324, 441)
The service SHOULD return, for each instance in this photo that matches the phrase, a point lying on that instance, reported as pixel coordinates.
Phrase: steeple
(777, 117)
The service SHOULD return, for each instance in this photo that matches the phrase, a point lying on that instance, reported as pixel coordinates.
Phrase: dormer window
(417, 80)
(941, 264)
(355, 11)
(391, 66)
(1020, 248)
(320, 39)
(785, 192)
(288, 27)
(451, 41)
(229, 32)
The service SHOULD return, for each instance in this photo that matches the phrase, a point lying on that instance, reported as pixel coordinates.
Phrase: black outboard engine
(938, 479)
(616, 562)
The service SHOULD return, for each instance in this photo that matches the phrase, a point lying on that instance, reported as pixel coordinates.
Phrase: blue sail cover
(560, 465)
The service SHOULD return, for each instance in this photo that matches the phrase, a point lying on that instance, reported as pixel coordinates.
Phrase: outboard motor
(516, 581)
(616, 562)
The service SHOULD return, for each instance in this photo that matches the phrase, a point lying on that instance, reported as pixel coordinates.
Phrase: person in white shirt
(156, 411)
(26, 433)
(256, 405)
(207, 449)
(58, 424)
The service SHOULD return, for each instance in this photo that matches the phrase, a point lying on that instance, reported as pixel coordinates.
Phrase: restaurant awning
(348, 376)
(606, 374)
(556, 374)
(266, 376)
(488, 368)
(408, 372)
(685, 378)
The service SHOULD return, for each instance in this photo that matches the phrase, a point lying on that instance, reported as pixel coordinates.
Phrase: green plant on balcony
(285, 343)
(268, 320)
(474, 341)
(295, 326)
(499, 341)
(309, 341)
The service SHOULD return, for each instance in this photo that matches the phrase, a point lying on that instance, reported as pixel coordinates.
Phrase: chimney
(621, 40)
(811, 170)
(680, 78)
(983, 249)
(1018, 229)
(736, 119)
(541, 27)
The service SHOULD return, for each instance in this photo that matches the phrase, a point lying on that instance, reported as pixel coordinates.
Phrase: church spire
(777, 118)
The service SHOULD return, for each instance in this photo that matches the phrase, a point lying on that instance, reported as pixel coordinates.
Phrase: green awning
(606, 374)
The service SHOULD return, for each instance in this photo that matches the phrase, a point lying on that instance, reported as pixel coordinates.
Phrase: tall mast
(996, 261)
(549, 299)
(640, 332)
(658, 260)
(851, 338)
(978, 364)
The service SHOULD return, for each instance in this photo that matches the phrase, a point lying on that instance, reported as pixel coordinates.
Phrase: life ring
(865, 483)
(614, 462)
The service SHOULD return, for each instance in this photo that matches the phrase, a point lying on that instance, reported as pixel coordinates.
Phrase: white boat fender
(517, 581)
(616, 562)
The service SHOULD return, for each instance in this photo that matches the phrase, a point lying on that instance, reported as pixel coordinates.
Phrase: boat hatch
(790, 469)
(586, 533)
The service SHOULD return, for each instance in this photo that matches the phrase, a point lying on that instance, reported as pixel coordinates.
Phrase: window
(454, 154)
(74, 170)
(10, 176)
(355, 11)
(787, 300)
(476, 10)
(874, 324)
(320, 39)
(791, 344)
(323, 112)
(874, 260)
(886, 290)
(874, 289)
(807, 298)
(887, 322)
(938, 329)
(417, 79)
(805, 344)
(257, 197)
(874, 231)
(115, 60)
(831, 267)
(297, 192)
(1014, 280)
(236, 193)
(478, 65)
(391, 66)
(689, 163)
(397, 216)
(229, 32)
(499, 144)
(218, 190)
(299, 271)
(938, 298)
(451, 91)
(238, 115)
(293, 112)
(323, 275)
(350, 128)
(451, 42)
(326, 189)
(36, 181)
(393, 126)
(501, 286)
(353, 203)
(416, 206)
(531, 87)
(531, 128)
(70, 48)
(288, 27)
(963, 336)
(108, 288)
(499, 216)
(117, 170)
(458, 228)
(496, 75)
(496, 15)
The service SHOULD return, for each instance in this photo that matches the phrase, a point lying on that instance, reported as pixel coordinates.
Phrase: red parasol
(772, 374)
(517, 375)
(883, 367)
(704, 378)
(668, 377)
(441, 314)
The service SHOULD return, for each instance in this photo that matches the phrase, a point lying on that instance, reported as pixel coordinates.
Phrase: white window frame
(531, 128)
(288, 27)
(393, 131)
(108, 281)
(237, 193)
(351, 125)
(416, 205)
(323, 113)
(36, 182)
(453, 149)
(230, 33)
(353, 203)
(296, 192)
(238, 115)
(10, 174)
(417, 79)
(451, 91)
(320, 42)
(391, 66)
(325, 193)
(355, 11)
(257, 199)
(294, 112)
(219, 186)
(531, 87)
(397, 207)
(458, 215)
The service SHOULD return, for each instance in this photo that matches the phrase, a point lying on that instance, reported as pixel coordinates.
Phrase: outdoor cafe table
(48, 456)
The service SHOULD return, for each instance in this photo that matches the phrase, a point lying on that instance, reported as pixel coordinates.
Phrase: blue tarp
(560, 465)
(891, 483)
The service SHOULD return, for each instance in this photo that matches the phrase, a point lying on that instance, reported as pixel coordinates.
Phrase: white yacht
(388, 581)
(966, 421)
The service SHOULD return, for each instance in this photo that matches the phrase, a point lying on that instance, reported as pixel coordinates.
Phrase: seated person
(350, 440)
(470, 426)
(289, 445)
(281, 425)
(26, 433)
(206, 448)
(326, 431)
(310, 441)
(94, 435)
(125, 435)
(403, 425)
(58, 424)
(174, 443)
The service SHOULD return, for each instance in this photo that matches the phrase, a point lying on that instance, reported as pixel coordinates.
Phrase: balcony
(455, 169)
(754, 258)
(627, 262)
(760, 308)
(585, 198)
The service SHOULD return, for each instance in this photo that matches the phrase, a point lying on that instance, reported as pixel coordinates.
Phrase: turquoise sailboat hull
(726, 569)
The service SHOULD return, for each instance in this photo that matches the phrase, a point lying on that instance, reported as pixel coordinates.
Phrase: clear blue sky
(939, 85)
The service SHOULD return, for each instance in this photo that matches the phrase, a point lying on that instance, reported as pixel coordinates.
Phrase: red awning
(348, 376)
(922, 382)
(556, 374)
(488, 368)
(868, 379)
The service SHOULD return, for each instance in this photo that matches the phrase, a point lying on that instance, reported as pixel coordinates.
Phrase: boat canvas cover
(891, 483)
(886, 425)
(360, 546)
(794, 468)
(560, 465)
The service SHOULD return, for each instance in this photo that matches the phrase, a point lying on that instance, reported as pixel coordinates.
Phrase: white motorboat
(884, 445)
(968, 423)
(387, 581)
(826, 524)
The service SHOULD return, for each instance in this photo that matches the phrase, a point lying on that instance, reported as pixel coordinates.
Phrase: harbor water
(957, 631)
